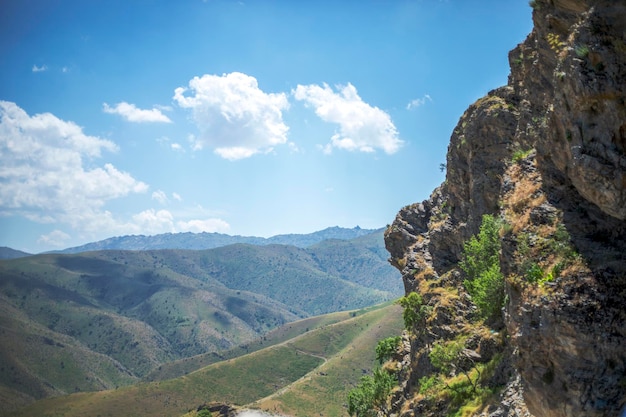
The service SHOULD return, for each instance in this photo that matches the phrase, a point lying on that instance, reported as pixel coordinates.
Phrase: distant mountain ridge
(204, 240)
(9, 253)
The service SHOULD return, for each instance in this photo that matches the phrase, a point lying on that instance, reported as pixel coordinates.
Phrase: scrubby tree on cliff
(481, 264)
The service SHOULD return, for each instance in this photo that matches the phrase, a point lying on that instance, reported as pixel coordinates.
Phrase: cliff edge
(545, 156)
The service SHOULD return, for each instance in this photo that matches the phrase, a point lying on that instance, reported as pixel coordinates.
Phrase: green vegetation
(387, 348)
(311, 372)
(115, 317)
(370, 396)
(520, 154)
(581, 51)
(448, 356)
(461, 395)
(325, 391)
(481, 264)
(414, 310)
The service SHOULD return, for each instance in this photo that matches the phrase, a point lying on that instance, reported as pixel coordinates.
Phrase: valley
(102, 320)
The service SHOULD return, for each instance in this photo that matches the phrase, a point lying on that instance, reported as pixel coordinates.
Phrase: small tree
(452, 356)
(370, 396)
(414, 309)
(481, 263)
(386, 348)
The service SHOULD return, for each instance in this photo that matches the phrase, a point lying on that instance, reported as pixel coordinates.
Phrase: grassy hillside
(281, 334)
(125, 315)
(325, 391)
(331, 358)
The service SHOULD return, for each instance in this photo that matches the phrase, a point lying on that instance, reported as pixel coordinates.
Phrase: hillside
(198, 241)
(518, 258)
(8, 253)
(283, 365)
(104, 319)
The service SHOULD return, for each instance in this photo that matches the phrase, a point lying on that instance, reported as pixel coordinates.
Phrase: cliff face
(547, 155)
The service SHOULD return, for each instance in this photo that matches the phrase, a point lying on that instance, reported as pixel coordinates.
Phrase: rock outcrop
(546, 154)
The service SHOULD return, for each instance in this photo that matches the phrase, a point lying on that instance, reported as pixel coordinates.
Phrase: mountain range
(213, 240)
(104, 319)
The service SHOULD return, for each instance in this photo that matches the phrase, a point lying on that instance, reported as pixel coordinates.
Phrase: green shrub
(519, 154)
(444, 355)
(481, 263)
(370, 396)
(534, 273)
(386, 348)
(430, 385)
(414, 309)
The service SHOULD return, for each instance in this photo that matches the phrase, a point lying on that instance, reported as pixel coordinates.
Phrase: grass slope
(324, 392)
(281, 334)
(141, 310)
(248, 378)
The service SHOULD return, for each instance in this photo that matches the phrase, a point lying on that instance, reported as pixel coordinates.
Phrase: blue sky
(240, 117)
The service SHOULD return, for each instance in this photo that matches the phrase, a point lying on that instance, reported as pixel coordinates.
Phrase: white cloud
(131, 113)
(177, 197)
(206, 225)
(40, 69)
(152, 222)
(56, 238)
(47, 173)
(176, 146)
(233, 115)
(413, 104)
(160, 196)
(361, 127)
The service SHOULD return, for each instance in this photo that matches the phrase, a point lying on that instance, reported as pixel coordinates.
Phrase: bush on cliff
(481, 264)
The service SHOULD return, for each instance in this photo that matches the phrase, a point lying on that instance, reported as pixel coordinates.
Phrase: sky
(247, 117)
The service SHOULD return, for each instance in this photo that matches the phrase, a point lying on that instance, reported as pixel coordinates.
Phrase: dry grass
(526, 195)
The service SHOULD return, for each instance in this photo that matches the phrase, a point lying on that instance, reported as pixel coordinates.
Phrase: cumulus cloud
(233, 115)
(47, 173)
(206, 225)
(361, 127)
(131, 113)
(413, 104)
(40, 69)
(153, 221)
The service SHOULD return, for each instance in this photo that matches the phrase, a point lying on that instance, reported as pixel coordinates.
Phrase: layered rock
(547, 155)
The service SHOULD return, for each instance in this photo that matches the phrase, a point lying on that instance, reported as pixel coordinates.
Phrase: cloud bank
(233, 115)
(48, 174)
(361, 127)
(131, 113)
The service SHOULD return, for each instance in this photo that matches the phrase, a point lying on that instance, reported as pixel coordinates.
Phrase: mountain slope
(245, 379)
(140, 310)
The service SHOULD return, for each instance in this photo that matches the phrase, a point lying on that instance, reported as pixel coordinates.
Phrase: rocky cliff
(546, 156)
